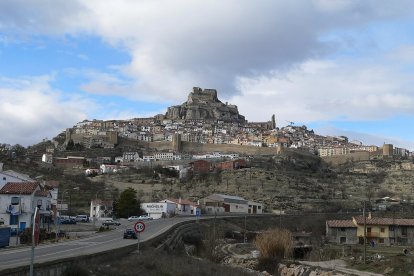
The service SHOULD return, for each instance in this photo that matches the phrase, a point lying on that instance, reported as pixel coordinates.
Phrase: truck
(5, 233)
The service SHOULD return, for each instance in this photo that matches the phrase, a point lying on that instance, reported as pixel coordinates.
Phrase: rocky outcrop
(204, 105)
(302, 270)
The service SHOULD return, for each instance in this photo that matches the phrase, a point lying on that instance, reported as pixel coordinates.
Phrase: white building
(130, 156)
(184, 206)
(12, 176)
(159, 209)
(18, 201)
(109, 168)
(219, 203)
(47, 158)
(101, 209)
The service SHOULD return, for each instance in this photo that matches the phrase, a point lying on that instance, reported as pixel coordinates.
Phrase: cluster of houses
(262, 134)
(212, 205)
(379, 231)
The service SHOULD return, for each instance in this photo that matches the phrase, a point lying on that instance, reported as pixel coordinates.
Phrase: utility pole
(245, 229)
(365, 235)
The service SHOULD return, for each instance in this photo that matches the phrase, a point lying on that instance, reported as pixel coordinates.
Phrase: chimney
(369, 215)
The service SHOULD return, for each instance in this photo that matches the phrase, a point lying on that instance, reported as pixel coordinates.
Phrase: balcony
(14, 209)
(373, 234)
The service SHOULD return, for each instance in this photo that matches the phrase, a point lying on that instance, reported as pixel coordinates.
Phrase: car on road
(110, 222)
(82, 218)
(143, 217)
(130, 234)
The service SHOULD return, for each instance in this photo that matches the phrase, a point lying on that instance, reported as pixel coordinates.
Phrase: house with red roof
(184, 206)
(18, 201)
(379, 230)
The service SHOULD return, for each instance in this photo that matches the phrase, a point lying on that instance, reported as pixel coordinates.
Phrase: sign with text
(139, 226)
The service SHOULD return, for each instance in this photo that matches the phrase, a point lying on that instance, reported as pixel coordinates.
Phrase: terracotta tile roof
(384, 221)
(24, 188)
(341, 224)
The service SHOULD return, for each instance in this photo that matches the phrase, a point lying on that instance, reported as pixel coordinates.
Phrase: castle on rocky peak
(203, 104)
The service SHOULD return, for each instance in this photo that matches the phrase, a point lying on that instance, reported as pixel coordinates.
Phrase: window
(15, 200)
(342, 240)
(391, 227)
(368, 229)
(14, 219)
(404, 231)
(382, 230)
(259, 207)
(381, 241)
(39, 202)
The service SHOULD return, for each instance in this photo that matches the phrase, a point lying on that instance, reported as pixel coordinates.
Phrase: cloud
(31, 110)
(297, 59)
(177, 45)
(320, 90)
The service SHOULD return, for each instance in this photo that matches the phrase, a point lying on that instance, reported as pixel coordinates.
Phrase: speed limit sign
(139, 226)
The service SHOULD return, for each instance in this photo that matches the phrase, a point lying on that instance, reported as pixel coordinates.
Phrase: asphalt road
(19, 256)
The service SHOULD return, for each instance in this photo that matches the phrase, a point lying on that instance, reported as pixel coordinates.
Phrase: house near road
(341, 232)
(171, 207)
(18, 201)
(101, 208)
(219, 203)
(380, 231)
(184, 206)
(12, 176)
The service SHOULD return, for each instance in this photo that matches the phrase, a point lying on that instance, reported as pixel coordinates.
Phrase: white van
(82, 218)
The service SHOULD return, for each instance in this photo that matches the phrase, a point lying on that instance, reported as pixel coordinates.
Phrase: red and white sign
(139, 226)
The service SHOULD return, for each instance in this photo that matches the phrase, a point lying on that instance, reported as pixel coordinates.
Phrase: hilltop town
(213, 127)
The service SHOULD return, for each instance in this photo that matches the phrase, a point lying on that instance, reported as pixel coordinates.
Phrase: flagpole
(35, 225)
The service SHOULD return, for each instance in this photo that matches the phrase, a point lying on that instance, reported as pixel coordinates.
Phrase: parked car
(82, 218)
(111, 222)
(67, 221)
(143, 217)
(130, 234)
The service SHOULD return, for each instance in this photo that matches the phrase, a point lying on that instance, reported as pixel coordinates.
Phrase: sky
(340, 67)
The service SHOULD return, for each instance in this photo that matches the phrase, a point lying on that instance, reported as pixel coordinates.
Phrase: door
(22, 226)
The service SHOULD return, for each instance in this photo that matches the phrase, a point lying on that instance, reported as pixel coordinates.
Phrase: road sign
(139, 226)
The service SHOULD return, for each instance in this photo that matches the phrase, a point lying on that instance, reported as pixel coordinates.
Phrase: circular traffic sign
(139, 226)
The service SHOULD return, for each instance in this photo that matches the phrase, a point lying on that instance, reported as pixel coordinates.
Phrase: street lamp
(61, 202)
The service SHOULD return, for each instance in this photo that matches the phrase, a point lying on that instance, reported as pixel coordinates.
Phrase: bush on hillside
(275, 244)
